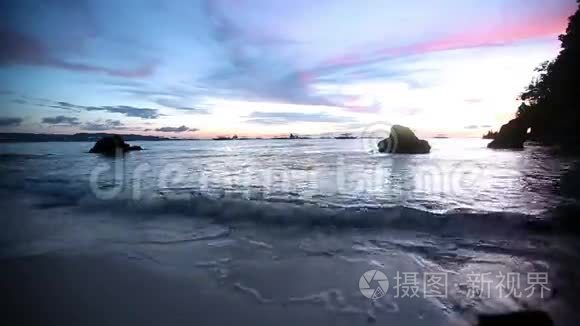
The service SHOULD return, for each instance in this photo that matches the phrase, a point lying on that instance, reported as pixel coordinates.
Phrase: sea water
(251, 212)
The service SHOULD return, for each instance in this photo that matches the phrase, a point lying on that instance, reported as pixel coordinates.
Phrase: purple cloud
(21, 49)
(129, 111)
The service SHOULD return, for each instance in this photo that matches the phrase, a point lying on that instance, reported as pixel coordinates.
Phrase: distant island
(79, 137)
(345, 136)
(292, 136)
(235, 137)
(225, 138)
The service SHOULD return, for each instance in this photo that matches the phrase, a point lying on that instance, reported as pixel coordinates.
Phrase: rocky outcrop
(490, 135)
(511, 135)
(111, 145)
(402, 140)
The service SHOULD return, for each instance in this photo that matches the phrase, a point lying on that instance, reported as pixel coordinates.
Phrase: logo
(373, 278)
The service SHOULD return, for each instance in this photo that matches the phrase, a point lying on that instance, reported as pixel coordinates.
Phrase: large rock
(402, 140)
(511, 135)
(111, 145)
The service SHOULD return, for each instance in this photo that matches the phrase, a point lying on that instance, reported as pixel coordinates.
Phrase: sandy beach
(100, 290)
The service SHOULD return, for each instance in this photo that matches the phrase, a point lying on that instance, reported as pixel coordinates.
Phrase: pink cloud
(479, 37)
(373, 108)
(486, 36)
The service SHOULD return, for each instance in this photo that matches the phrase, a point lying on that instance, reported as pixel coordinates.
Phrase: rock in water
(511, 135)
(110, 145)
(402, 140)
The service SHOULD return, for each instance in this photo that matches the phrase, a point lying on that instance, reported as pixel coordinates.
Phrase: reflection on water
(458, 174)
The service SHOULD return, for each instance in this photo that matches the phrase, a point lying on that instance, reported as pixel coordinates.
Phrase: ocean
(287, 231)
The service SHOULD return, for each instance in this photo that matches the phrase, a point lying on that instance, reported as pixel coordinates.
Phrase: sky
(265, 68)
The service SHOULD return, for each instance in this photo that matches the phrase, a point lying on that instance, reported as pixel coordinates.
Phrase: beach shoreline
(103, 290)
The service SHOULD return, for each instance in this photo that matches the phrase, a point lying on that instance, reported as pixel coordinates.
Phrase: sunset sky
(266, 67)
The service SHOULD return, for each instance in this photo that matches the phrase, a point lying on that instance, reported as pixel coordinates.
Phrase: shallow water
(316, 214)
(459, 174)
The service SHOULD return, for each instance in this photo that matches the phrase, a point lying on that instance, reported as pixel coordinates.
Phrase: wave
(289, 211)
(224, 210)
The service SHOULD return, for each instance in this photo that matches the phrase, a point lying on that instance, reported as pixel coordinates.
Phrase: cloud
(61, 120)
(174, 104)
(291, 117)
(21, 49)
(477, 127)
(99, 125)
(129, 111)
(476, 26)
(19, 101)
(473, 100)
(66, 106)
(252, 68)
(10, 122)
(176, 129)
(259, 50)
(272, 58)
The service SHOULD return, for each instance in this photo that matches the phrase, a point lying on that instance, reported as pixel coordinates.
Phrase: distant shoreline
(92, 137)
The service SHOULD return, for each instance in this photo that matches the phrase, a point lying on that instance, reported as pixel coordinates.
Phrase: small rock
(110, 145)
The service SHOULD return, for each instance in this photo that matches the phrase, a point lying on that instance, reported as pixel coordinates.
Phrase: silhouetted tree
(490, 135)
(551, 105)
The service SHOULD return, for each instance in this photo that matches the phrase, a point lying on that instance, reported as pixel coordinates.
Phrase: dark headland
(550, 109)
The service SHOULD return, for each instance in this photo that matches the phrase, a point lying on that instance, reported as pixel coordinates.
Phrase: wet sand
(52, 290)
(100, 290)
